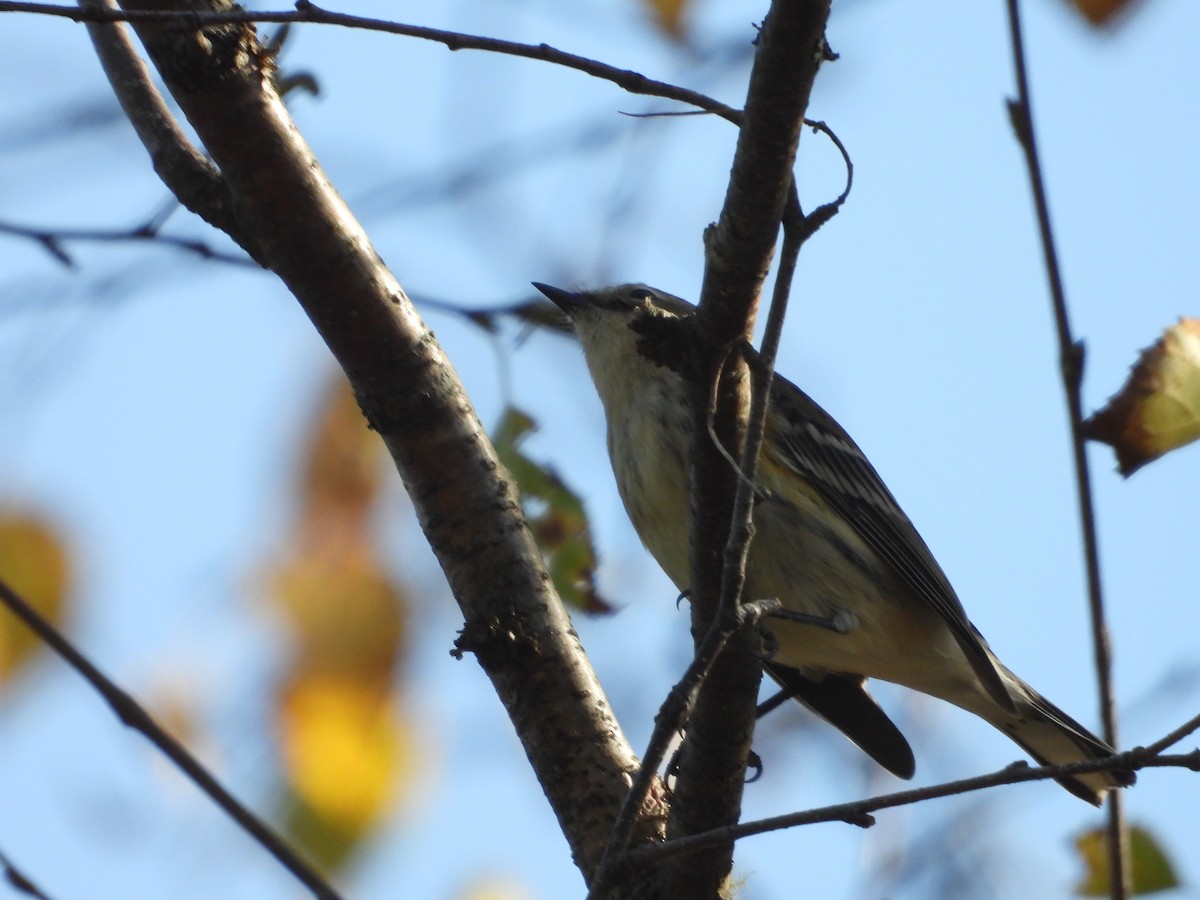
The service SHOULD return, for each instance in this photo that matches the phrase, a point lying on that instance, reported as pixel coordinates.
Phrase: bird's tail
(1052, 737)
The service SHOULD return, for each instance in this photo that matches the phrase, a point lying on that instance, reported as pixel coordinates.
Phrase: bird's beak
(568, 301)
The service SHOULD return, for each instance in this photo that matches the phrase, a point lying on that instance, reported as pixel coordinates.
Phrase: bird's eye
(641, 295)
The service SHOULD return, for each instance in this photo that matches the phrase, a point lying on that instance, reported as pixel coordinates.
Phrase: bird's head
(619, 325)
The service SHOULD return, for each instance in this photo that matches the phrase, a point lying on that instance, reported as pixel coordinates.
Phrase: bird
(831, 544)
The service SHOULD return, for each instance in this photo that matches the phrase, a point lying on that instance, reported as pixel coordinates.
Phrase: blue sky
(152, 403)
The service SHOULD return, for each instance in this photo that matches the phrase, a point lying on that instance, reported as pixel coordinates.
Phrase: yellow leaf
(35, 564)
(1158, 409)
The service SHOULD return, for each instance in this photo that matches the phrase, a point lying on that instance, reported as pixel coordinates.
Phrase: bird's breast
(648, 442)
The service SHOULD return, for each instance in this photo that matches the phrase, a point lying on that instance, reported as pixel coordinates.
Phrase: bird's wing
(807, 440)
(843, 701)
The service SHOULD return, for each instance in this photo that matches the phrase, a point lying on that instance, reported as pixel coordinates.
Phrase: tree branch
(859, 812)
(678, 706)
(52, 239)
(305, 12)
(465, 500)
(1071, 360)
(19, 881)
(672, 715)
(1172, 737)
(739, 248)
(183, 169)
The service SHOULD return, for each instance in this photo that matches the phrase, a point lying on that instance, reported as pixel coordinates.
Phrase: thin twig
(674, 712)
(859, 812)
(1071, 360)
(671, 716)
(737, 548)
(190, 176)
(19, 880)
(1173, 737)
(810, 223)
(134, 716)
(711, 425)
(52, 239)
(305, 12)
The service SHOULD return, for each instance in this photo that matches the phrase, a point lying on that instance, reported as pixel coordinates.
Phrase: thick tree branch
(739, 248)
(467, 505)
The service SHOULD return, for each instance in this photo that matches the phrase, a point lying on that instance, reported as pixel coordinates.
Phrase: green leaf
(1152, 869)
(555, 514)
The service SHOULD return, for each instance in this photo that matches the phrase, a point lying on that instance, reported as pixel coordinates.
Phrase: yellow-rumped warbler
(830, 542)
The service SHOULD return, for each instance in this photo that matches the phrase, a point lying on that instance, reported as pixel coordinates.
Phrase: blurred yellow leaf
(342, 473)
(1158, 408)
(347, 614)
(556, 516)
(346, 611)
(346, 757)
(669, 15)
(495, 887)
(1152, 870)
(34, 562)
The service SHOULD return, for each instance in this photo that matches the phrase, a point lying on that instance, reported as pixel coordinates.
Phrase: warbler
(830, 542)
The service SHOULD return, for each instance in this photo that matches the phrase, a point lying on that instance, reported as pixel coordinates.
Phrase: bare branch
(1172, 737)
(675, 711)
(191, 177)
(133, 715)
(1071, 360)
(466, 502)
(633, 82)
(859, 812)
(52, 239)
(791, 45)
(19, 880)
